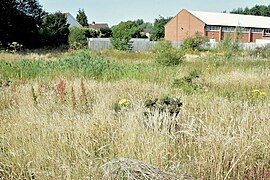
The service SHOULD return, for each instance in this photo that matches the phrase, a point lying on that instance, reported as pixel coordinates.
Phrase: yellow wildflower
(123, 102)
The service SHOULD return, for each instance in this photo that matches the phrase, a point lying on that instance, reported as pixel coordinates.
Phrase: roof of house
(225, 19)
(72, 21)
(98, 25)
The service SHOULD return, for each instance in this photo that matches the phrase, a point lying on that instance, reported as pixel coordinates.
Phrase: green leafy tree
(20, 21)
(55, 30)
(122, 34)
(139, 22)
(82, 18)
(257, 10)
(105, 32)
(78, 37)
(158, 31)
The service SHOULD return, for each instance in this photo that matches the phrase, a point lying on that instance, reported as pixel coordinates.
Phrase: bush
(105, 32)
(194, 43)
(228, 48)
(54, 30)
(188, 83)
(122, 34)
(165, 54)
(77, 37)
(163, 105)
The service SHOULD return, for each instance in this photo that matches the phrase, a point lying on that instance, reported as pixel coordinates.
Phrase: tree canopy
(26, 23)
(124, 31)
(20, 21)
(257, 10)
(82, 18)
(158, 31)
(55, 30)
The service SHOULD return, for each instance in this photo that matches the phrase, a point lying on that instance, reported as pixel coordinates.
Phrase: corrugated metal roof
(225, 19)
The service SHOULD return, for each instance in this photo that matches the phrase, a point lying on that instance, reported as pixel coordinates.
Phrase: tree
(82, 18)
(257, 10)
(158, 31)
(122, 34)
(105, 32)
(78, 37)
(54, 30)
(20, 21)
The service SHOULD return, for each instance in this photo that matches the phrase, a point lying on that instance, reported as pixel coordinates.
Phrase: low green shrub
(167, 104)
(165, 54)
(77, 38)
(187, 83)
(194, 43)
(228, 47)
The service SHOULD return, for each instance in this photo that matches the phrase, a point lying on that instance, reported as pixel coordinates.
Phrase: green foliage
(55, 30)
(105, 32)
(20, 21)
(122, 34)
(257, 10)
(158, 31)
(166, 104)
(227, 47)
(91, 33)
(82, 18)
(188, 83)
(78, 37)
(165, 54)
(82, 63)
(194, 43)
(124, 31)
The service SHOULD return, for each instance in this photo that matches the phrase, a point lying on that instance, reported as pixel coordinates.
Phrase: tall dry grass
(50, 138)
(67, 127)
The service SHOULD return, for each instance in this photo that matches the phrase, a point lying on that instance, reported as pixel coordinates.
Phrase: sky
(115, 11)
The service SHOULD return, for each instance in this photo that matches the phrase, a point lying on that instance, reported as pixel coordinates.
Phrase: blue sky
(114, 11)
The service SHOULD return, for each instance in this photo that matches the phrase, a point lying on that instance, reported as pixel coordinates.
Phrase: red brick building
(216, 26)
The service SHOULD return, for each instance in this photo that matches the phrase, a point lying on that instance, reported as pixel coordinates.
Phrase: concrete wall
(97, 44)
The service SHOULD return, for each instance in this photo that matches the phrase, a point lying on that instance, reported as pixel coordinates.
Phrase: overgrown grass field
(81, 115)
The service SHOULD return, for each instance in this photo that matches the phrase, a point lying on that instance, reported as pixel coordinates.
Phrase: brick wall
(255, 36)
(182, 26)
(185, 25)
(212, 35)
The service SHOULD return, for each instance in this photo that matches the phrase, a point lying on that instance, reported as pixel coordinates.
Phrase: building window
(212, 28)
(256, 30)
(228, 29)
(243, 29)
(267, 31)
